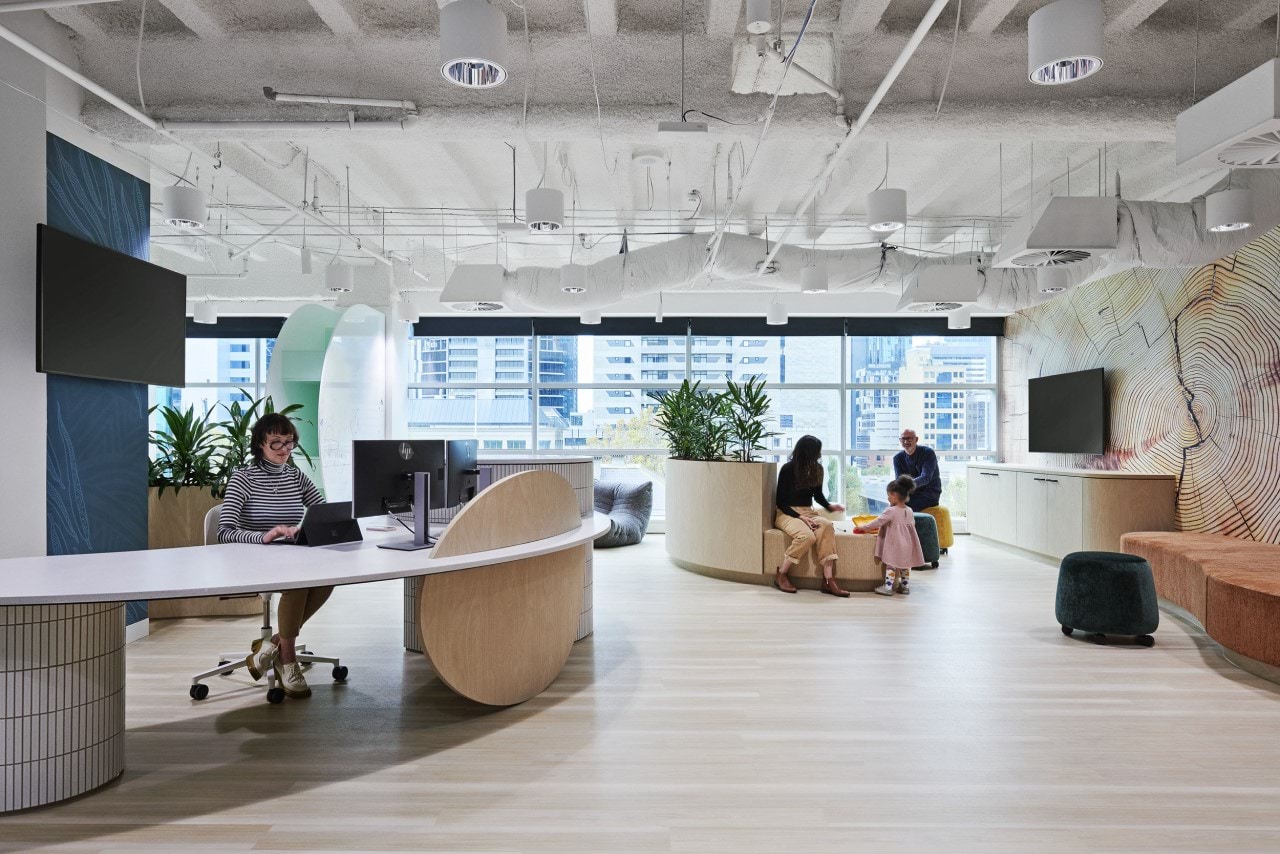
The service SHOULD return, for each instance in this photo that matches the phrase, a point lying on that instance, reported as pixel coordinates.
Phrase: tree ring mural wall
(1193, 380)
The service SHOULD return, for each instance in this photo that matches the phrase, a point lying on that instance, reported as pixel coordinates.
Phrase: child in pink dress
(897, 545)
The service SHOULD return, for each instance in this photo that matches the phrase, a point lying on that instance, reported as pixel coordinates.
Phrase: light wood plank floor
(709, 716)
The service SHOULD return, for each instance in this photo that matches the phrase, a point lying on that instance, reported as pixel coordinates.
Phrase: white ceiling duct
(942, 288)
(1068, 230)
(1239, 125)
(473, 44)
(476, 287)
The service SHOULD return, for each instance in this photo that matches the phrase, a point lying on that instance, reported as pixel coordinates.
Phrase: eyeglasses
(281, 446)
(906, 439)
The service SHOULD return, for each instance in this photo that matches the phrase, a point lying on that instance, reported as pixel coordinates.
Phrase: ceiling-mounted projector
(1239, 125)
(942, 288)
(1070, 229)
(475, 287)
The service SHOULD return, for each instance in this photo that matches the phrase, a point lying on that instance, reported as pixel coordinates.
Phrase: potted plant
(719, 498)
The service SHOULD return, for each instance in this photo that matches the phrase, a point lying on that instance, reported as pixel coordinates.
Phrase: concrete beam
(988, 15)
(861, 16)
(1129, 15)
(336, 17)
(78, 21)
(722, 17)
(1250, 15)
(604, 17)
(194, 15)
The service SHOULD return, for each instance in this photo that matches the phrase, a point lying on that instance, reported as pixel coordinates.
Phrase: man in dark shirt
(921, 463)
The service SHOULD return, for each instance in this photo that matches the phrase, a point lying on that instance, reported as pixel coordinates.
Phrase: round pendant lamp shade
(339, 278)
(1053, 280)
(573, 279)
(759, 16)
(205, 312)
(473, 44)
(184, 207)
(776, 315)
(813, 280)
(1064, 42)
(1229, 210)
(590, 317)
(886, 210)
(961, 318)
(544, 209)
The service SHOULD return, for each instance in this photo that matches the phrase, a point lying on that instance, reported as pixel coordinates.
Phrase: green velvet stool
(927, 531)
(1106, 593)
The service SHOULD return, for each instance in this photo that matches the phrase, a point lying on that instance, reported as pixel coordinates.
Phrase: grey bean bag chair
(628, 506)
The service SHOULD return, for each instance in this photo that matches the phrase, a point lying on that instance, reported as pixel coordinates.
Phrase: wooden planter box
(717, 513)
(177, 519)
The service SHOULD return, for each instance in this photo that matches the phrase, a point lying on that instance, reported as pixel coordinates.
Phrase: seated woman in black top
(799, 485)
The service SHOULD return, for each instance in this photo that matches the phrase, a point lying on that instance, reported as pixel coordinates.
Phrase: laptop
(325, 524)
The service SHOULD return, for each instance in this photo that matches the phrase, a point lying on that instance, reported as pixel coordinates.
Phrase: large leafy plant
(703, 425)
(237, 431)
(747, 412)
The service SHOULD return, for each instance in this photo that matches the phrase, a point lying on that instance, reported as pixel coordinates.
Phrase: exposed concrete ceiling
(433, 191)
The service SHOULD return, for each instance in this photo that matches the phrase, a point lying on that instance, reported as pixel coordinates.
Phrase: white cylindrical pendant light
(573, 279)
(407, 308)
(339, 278)
(205, 312)
(960, 318)
(1064, 42)
(544, 209)
(184, 207)
(306, 261)
(813, 280)
(759, 16)
(776, 315)
(590, 317)
(657, 315)
(1053, 280)
(886, 210)
(473, 44)
(1229, 210)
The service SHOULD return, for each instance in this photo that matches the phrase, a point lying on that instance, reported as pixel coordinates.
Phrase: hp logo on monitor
(406, 451)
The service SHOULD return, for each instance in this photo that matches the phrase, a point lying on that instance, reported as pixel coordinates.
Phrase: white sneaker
(290, 676)
(904, 587)
(885, 589)
(261, 658)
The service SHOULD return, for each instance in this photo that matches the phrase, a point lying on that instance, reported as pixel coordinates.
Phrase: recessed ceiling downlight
(184, 207)
(1064, 42)
(473, 44)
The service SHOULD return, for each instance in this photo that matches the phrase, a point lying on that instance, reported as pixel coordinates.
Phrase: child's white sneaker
(885, 589)
(904, 587)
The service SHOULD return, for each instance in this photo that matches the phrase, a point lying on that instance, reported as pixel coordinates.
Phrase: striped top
(260, 496)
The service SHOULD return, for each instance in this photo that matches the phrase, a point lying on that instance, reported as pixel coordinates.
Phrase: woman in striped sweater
(265, 500)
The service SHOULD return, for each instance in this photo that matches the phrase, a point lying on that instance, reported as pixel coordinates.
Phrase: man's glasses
(281, 446)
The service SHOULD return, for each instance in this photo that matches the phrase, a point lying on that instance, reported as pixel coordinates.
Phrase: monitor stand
(421, 501)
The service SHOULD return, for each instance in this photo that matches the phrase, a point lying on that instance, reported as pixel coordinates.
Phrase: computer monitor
(462, 478)
(382, 473)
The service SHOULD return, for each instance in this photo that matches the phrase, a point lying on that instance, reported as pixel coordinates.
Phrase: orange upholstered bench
(1231, 586)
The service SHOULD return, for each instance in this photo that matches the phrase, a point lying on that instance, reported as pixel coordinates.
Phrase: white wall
(22, 205)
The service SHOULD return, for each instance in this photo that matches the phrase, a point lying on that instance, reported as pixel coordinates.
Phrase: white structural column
(61, 701)
(336, 16)
(1130, 14)
(861, 16)
(988, 14)
(580, 472)
(722, 17)
(194, 14)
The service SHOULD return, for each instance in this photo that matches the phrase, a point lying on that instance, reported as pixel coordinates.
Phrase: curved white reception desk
(499, 604)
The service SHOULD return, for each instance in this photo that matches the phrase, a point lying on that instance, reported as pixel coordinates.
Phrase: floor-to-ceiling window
(220, 371)
(593, 395)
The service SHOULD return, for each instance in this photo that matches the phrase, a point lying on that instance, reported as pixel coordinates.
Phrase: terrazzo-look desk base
(61, 701)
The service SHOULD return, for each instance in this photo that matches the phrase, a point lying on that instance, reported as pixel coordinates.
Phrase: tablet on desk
(325, 524)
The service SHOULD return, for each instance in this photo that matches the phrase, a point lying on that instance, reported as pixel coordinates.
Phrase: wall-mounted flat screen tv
(107, 315)
(1067, 413)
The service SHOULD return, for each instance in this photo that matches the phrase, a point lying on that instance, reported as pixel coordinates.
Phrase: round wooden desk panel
(500, 634)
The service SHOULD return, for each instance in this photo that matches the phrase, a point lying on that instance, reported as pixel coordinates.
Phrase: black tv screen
(107, 315)
(1067, 413)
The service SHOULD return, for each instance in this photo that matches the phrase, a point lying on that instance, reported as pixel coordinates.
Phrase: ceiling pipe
(235, 256)
(36, 5)
(811, 77)
(286, 97)
(244, 273)
(142, 118)
(233, 127)
(846, 144)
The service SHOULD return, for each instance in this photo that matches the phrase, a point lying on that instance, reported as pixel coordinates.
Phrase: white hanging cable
(955, 37)
(595, 87)
(137, 58)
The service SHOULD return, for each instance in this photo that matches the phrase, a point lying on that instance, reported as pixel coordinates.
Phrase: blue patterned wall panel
(97, 452)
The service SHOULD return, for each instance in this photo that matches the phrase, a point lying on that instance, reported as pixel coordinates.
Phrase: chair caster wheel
(340, 673)
(1145, 640)
(1067, 630)
(1098, 638)
(933, 565)
(199, 691)
(223, 663)
(275, 695)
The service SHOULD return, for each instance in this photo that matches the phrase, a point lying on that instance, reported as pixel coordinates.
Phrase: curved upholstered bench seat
(855, 563)
(1231, 586)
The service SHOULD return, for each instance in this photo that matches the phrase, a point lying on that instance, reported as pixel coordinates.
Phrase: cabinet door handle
(1050, 480)
(988, 474)
(1039, 479)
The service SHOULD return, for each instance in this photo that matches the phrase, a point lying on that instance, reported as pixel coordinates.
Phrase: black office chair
(229, 662)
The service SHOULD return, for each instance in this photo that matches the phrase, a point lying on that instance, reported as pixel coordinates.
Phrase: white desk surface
(244, 568)
(530, 460)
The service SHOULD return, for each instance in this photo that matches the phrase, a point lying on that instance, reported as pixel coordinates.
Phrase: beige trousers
(298, 606)
(803, 538)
